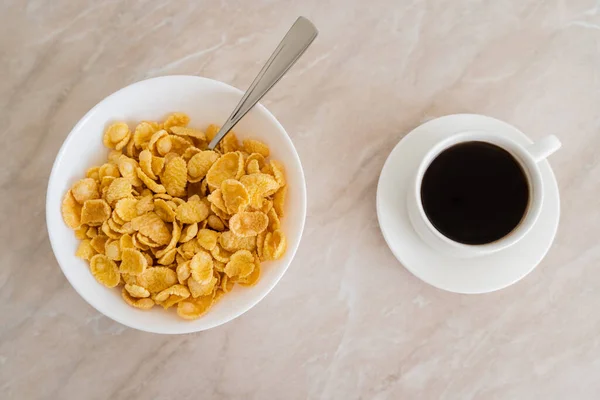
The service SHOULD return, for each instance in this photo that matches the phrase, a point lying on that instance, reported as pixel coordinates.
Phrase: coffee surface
(475, 193)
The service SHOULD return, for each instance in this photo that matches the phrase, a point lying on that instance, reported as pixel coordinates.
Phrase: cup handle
(544, 147)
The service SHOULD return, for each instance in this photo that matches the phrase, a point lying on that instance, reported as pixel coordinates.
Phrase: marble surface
(347, 321)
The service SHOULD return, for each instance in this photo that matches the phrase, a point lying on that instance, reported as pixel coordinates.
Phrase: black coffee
(475, 193)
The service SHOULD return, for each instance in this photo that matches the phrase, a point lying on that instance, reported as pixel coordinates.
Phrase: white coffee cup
(528, 157)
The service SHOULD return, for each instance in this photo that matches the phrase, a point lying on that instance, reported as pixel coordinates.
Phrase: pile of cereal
(174, 223)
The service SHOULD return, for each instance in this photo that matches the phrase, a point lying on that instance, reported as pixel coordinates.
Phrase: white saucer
(461, 275)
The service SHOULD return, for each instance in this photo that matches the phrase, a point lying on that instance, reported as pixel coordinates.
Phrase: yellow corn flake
(199, 165)
(117, 229)
(194, 308)
(126, 209)
(254, 146)
(248, 223)
(95, 212)
(274, 223)
(220, 254)
(279, 201)
(174, 178)
(135, 290)
(127, 168)
(98, 243)
(215, 223)
(156, 136)
(176, 119)
(180, 144)
(71, 211)
(126, 242)
(216, 198)
(158, 165)
(201, 267)
(163, 145)
(253, 278)
(192, 212)
(188, 154)
(219, 266)
(93, 173)
(139, 245)
(118, 189)
(152, 226)
(259, 186)
(229, 143)
(164, 211)
(116, 134)
(145, 163)
(143, 132)
(207, 238)
(112, 250)
(133, 262)
(183, 272)
(167, 257)
(157, 279)
(188, 233)
(278, 172)
(91, 232)
(231, 242)
(85, 189)
(260, 160)
(85, 250)
(240, 265)
(143, 303)
(198, 289)
(81, 232)
(105, 270)
(227, 284)
(172, 295)
(191, 132)
(129, 279)
(274, 246)
(229, 166)
(152, 185)
(107, 170)
(252, 167)
(149, 259)
(235, 196)
(115, 217)
(130, 150)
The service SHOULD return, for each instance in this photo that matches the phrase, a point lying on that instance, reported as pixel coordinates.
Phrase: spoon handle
(293, 45)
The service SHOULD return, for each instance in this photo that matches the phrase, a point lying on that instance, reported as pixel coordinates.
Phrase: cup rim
(529, 167)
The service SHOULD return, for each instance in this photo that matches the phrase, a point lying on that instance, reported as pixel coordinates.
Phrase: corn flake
(240, 265)
(235, 196)
(143, 303)
(174, 177)
(95, 212)
(135, 290)
(157, 279)
(194, 308)
(172, 295)
(248, 223)
(254, 146)
(85, 250)
(229, 166)
(201, 267)
(105, 270)
(71, 211)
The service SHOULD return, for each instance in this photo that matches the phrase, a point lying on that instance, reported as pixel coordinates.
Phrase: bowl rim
(53, 179)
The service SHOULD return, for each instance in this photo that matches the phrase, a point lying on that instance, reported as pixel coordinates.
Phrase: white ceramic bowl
(205, 101)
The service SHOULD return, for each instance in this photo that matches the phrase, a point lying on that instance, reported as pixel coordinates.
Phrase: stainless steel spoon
(293, 45)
